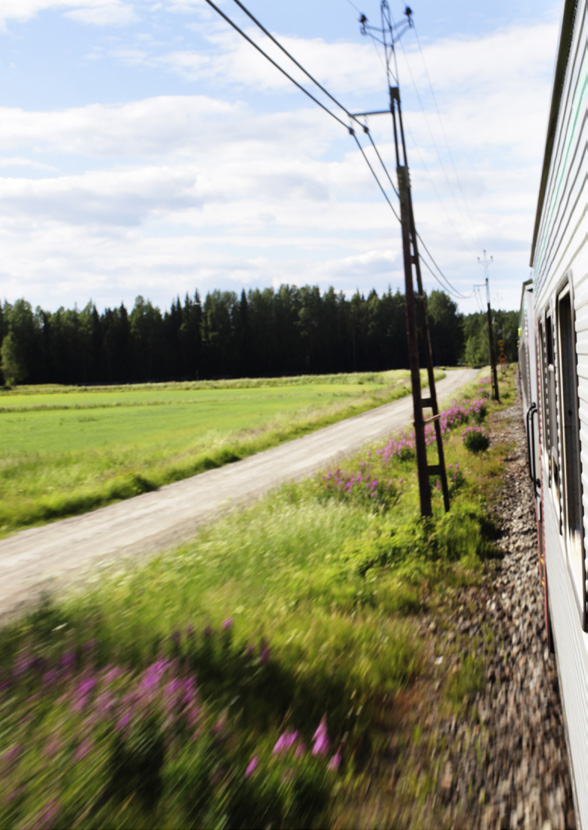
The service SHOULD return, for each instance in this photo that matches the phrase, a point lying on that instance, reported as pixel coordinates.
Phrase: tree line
(261, 333)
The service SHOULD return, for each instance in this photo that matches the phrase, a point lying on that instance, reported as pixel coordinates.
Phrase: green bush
(475, 439)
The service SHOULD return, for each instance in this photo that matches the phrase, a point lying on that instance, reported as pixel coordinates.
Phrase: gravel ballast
(507, 766)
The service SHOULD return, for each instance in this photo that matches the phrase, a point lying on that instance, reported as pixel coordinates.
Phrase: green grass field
(251, 677)
(67, 450)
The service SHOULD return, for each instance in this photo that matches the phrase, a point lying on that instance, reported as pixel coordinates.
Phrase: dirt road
(43, 559)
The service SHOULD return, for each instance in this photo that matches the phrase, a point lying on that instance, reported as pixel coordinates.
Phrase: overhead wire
(374, 174)
(388, 23)
(450, 154)
(447, 286)
(273, 62)
(435, 145)
(293, 59)
(354, 6)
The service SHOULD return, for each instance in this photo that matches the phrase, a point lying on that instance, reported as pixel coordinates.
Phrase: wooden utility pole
(417, 327)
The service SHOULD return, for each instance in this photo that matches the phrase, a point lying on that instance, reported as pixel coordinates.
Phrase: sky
(147, 148)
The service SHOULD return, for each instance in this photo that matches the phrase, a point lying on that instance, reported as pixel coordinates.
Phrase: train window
(571, 470)
(552, 415)
(542, 390)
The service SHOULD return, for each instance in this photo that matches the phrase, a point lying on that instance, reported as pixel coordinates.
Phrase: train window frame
(552, 431)
(572, 495)
(543, 394)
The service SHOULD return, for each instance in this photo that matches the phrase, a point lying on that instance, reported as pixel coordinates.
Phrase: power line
(439, 156)
(448, 287)
(293, 59)
(451, 287)
(374, 174)
(354, 6)
(273, 62)
(468, 213)
(454, 293)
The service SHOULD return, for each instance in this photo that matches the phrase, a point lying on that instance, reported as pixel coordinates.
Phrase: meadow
(66, 450)
(254, 676)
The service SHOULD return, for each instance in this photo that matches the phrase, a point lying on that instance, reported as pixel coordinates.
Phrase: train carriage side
(560, 292)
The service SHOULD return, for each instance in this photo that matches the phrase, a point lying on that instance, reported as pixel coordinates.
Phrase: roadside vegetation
(255, 676)
(67, 450)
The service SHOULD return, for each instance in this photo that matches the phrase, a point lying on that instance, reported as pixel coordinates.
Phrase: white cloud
(178, 191)
(98, 12)
(113, 198)
(136, 128)
(22, 161)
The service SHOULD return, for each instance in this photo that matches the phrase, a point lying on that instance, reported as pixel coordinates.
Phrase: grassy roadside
(252, 677)
(66, 451)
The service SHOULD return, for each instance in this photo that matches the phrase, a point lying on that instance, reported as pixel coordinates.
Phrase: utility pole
(417, 327)
(416, 323)
(485, 263)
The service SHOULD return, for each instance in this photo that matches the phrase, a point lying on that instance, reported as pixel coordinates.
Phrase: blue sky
(145, 148)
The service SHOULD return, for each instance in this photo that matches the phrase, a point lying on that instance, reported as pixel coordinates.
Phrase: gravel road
(42, 559)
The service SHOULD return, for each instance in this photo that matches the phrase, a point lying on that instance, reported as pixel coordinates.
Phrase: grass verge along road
(64, 451)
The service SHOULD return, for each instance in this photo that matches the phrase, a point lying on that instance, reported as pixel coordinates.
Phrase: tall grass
(64, 452)
(242, 679)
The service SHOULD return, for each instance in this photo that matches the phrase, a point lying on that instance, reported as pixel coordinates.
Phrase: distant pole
(485, 263)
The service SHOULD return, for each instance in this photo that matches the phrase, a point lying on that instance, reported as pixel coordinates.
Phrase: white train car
(554, 373)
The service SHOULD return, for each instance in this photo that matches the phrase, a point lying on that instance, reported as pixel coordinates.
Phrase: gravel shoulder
(43, 559)
(500, 760)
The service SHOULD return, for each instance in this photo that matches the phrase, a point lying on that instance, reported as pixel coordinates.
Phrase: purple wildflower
(46, 818)
(53, 746)
(335, 761)
(227, 624)
(11, 755)
(251, 766)
(123, 722)
(83, 750)
(300, 750)
(67, 660)
(321, 738)
(285, 742)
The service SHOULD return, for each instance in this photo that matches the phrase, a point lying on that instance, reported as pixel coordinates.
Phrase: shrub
(475, 439)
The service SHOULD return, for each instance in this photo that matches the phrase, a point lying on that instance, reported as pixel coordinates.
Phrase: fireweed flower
(68, 659)
(47, 817)
(123, 722)
(300, 750)
(83, 750)
(284, 742)
(251, 766)
(321, 738)
(53, 746)
(11, 755)
(335, 761)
